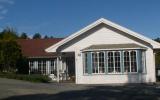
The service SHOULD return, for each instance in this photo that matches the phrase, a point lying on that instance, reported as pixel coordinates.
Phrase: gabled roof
(35, 48)
(53, 48)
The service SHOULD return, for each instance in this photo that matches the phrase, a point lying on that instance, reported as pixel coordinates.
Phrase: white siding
(107, 36)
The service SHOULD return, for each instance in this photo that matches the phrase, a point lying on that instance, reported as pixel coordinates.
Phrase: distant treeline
(25, 35)
(35, 36)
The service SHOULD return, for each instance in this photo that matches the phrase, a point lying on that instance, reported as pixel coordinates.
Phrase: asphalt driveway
(21, 90)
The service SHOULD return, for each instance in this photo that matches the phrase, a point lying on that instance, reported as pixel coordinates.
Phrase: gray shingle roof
(115, 46)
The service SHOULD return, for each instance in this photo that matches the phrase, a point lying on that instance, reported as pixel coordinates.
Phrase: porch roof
(114, 46)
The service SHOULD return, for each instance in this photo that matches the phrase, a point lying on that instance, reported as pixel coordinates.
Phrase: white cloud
(4, 11)
(7, 1)
(4, 4)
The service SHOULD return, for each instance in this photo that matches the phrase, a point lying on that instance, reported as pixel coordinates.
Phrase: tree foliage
(24, 36)
(37, 36)
(8, 34)
(157, 57)
(46, 37)
(10, 51)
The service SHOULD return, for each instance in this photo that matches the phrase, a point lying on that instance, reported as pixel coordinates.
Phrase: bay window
(117, 61)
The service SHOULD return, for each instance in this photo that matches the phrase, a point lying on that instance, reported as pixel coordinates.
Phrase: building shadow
(132, 92)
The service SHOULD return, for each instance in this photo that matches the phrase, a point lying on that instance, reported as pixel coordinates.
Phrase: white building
(105, 53)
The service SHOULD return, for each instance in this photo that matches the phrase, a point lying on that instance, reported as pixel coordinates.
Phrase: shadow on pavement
(138, 92)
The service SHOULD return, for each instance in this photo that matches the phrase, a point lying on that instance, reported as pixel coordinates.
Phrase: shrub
(31, 78)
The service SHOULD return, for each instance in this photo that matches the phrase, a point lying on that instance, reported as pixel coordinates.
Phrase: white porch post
(48, 66)
(34, 69)
(58, 69)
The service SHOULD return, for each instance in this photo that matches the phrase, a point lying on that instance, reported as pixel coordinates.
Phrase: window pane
(133, 61)
(52, 67)
(110, 62)
(95, 62)
(126, 61)
(44, 67)
(117, 62)
(39, 67)
(101, 62)
(31, 66)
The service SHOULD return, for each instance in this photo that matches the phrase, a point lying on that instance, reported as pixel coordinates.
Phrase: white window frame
(114, 71)
(108, 62)
(130, 61)
(31, 65)
(97, 52)
(101, 62)
(115, 62)
(122, 68)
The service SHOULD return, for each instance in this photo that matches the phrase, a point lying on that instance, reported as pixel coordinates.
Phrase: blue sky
(61, 18)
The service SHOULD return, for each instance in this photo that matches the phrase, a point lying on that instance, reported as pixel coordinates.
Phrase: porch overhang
(114, 47)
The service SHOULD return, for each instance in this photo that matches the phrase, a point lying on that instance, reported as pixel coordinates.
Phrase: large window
(101, 62)
(39, 67)
(110, 62)
(133, 61)
(117, 61)
(42, 67)
(126, 61)
(31, 66)
(130, 61)
(114, 62)
(43, 70)
(53, 69)
(98, 62)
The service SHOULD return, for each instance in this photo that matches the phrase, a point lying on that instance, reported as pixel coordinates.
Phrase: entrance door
(70, 64)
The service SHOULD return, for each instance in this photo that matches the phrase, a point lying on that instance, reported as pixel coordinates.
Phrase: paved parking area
(21, 90)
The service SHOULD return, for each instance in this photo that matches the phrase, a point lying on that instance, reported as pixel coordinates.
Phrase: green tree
(157, 39)
(46, 37)
(51, 37)
(8, 34)
(157, 56)
(37, 36)
(22, 65)
(24, 36)
(10, 51)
